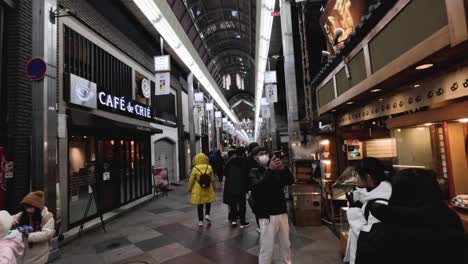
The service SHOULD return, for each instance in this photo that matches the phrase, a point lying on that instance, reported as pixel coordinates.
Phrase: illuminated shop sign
(123, 105)
(84, 93)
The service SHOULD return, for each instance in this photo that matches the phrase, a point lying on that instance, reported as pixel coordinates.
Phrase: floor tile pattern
(166, 230)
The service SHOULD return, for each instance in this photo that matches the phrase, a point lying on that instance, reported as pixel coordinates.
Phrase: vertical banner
(265, 111)
(219, 122)
(163, 83)
(198, 99)
(271, 93)
(199, 110)
(270, 77)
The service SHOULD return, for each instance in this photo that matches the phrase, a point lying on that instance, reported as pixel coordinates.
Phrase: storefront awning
(104, 120)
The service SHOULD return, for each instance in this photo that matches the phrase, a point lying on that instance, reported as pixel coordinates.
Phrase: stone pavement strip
(166, 230)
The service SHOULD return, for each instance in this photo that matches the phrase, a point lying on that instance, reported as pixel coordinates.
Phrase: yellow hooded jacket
(200, 195)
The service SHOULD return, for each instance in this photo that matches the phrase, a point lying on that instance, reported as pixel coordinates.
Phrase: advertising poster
(271, 93)
(163, 83)
(198, 99)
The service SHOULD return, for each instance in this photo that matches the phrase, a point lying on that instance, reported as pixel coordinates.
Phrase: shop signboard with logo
(145, 88)
(84, 93)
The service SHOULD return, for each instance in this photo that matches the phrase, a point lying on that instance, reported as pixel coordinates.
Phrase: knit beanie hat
(257, 150)
(6, 220)
(35, 199)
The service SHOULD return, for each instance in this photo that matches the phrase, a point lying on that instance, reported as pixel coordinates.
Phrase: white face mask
(263, 160)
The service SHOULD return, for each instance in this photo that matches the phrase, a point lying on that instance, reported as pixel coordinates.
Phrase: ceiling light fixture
(424, 66)
(428, 124)
(350, 103)
(416, 85)
(167, 25)
(376, 90)
(380, 99)
(463, 120)
(264, 26)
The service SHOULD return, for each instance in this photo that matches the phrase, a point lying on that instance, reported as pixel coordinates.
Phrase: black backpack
(205, 179)
(371, 245)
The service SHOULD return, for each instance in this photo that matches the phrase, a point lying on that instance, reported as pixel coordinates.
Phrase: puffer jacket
(199, 194)
(40, 240)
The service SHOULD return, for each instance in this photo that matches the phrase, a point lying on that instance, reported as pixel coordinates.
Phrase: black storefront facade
(104, 125)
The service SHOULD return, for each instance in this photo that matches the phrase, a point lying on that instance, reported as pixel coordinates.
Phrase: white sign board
(145, 88)
(270, 77)
(271, 93)
(265, 112)
(219, 122)
(218, 114)
(264, 101)
(225, 120)
(198, 99)
(209, 106)
(82, 92)
(162, 63)
(163, 83)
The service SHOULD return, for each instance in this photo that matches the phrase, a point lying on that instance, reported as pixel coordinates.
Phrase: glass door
(108, 177)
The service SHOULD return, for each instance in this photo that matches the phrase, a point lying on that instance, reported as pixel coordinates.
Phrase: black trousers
(237, 209)
(200, 210)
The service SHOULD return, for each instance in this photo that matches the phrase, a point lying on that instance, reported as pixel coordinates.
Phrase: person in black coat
(235, 188)
(419, 227)
(218, 163)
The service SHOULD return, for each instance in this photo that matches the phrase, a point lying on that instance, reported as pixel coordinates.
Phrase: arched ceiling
(223, 32)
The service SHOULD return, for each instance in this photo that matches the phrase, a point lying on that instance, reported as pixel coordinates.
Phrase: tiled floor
(166, 231)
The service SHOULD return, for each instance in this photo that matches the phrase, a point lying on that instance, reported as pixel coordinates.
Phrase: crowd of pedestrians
(393, 217)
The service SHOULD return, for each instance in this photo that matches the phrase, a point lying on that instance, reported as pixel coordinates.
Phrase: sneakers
(234, 223)
(244, 225)
(208, 219)
(200, 223)
(259, 230)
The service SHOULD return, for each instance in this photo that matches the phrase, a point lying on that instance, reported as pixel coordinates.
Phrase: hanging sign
(264, 101)
(225, 120)
(163, 83)
(145, 88)
(225, 126)
(266, 112)
(271, 93)
(162, 63)
(198, 99)
(270, 77)
(218, 114)
(199, 110)
(219, 122)
(82, 92)
(36, 69)
(209, 106)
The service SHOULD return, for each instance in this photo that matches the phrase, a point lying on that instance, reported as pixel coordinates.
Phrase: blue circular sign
(36, 69)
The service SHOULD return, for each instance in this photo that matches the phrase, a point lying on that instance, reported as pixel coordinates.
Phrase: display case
(306, 204)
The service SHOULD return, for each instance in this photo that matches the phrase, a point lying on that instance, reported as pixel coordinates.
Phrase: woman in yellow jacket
(202, 187)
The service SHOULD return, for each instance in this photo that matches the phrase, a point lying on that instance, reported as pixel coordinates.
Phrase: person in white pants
(267, 183)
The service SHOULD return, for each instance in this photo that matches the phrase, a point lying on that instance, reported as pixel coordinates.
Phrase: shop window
(414, 147)
(87, 60)
(82, 167)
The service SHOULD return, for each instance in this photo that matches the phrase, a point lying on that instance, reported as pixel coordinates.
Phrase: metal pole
(290, 71)
(191, 116)
(44, 101)
(180, 134)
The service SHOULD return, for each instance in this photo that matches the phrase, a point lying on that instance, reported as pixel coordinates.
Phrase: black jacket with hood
(236, 179)
(268, 190)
